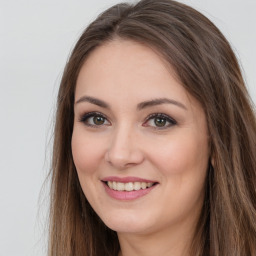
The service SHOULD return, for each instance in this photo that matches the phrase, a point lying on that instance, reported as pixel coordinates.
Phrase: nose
(123, 150)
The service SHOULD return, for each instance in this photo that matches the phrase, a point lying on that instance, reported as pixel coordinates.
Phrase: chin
(128, 223)
(128, 228)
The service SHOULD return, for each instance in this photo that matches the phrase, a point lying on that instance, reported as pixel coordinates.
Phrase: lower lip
(127, 195)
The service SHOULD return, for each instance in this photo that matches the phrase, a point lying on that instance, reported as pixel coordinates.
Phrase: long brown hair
(208, 69)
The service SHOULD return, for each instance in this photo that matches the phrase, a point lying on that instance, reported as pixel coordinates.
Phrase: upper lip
(127, 179)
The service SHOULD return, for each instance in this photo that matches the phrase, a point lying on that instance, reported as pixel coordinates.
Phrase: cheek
(183, 165)
(87, 152)
(182, 154)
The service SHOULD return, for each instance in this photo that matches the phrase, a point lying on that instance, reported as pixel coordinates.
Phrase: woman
(154, 149)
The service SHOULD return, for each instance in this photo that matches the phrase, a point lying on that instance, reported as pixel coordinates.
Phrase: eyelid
(84, 117)
(169, 119)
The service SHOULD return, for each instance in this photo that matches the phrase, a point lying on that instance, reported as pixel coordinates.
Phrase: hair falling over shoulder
(208, 69)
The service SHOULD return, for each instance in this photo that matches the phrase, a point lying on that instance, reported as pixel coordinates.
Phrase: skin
(123, 74)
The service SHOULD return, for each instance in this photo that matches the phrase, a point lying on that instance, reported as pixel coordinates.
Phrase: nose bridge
(123, 150)
(122, 136)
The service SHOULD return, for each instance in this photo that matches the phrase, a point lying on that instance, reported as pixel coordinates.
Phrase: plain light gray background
(36, 37)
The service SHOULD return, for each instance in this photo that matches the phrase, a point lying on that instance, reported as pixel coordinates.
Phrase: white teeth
(110, 184)
(120, 186)
(136, 186)
(149, 184)
(129, 186)
(143, 185)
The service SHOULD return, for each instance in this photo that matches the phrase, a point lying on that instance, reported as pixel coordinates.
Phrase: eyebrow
(94, 101)
(160, 101)
(140, 106)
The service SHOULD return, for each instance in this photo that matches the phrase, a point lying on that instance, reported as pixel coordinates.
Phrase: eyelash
(84, 119)
(165, 117)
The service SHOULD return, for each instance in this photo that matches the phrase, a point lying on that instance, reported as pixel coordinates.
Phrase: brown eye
(160, 122)
(94, 119)
(98, 120)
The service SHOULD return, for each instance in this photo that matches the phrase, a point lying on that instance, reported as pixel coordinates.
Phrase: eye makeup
(94, 119)
(157, 121)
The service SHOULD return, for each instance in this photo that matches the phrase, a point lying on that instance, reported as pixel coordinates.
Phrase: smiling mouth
(129, 186)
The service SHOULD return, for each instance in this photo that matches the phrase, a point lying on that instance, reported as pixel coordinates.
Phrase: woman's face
(140, 141)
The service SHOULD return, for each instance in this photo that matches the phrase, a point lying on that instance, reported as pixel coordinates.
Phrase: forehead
(127, 66)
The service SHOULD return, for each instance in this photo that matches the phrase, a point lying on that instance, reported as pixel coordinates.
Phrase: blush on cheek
(179, 157)
(80, 154)
(86, 153)
(173, 159)
(83, 161)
